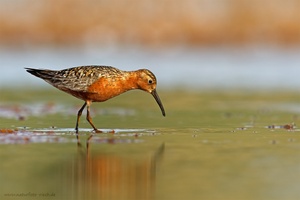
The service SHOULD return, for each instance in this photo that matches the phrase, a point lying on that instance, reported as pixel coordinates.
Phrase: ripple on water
(67, 135)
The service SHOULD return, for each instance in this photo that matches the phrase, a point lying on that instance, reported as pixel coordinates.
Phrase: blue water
(205, 68)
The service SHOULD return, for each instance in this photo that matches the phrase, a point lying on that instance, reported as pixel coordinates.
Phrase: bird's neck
(130, 80)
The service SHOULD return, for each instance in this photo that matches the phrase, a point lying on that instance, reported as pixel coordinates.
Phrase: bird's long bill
(156, 97)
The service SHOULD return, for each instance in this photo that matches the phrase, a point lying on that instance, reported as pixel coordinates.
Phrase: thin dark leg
(89, 119)
(78, 117)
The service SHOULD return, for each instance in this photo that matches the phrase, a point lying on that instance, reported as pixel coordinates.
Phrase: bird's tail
(41, 73)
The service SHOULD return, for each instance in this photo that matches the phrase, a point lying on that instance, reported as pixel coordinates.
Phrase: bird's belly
(99, 96)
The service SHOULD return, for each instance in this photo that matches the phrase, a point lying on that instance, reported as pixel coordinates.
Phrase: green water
(210, 145)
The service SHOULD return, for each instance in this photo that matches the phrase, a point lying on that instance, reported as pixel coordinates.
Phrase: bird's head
(147, 82)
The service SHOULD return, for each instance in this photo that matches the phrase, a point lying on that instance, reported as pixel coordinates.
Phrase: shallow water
(223, 145)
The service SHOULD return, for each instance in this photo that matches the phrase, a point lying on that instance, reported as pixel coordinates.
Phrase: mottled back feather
(76, 78)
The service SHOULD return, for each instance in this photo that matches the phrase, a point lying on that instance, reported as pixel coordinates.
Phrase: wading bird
(98, 84)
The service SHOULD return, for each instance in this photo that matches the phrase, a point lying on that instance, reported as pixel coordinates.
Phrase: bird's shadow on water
(100, 175)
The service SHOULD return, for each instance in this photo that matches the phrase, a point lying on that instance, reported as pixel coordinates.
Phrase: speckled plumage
(98, 83)
(76, 78)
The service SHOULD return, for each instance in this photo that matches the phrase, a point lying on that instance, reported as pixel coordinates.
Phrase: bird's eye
(150, 81)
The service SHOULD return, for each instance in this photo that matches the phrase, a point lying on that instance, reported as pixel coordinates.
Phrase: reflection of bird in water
(98, 84)
(99, 175)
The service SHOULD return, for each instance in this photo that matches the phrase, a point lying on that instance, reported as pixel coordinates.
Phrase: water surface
(223, 145)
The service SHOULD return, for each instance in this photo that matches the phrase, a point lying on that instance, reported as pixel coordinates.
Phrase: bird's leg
(89, 119)
(78, 117)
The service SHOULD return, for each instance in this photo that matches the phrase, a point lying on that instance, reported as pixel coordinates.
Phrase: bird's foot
(98, 131)
(112, 131)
